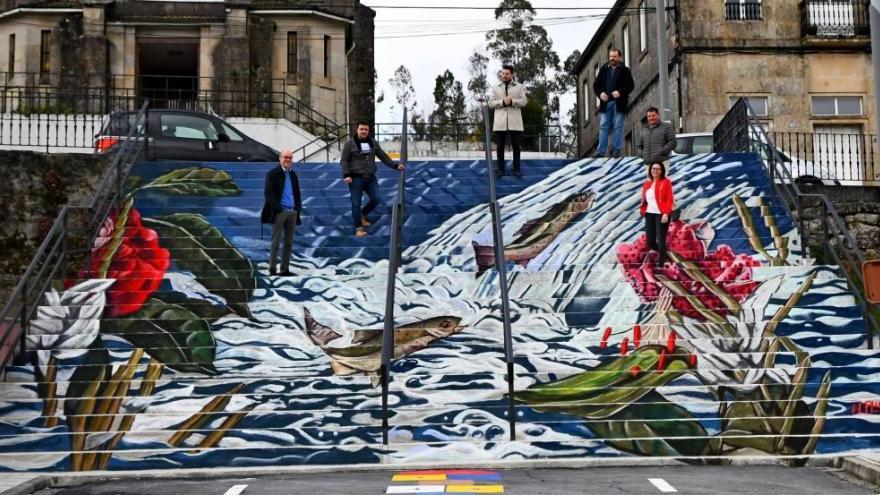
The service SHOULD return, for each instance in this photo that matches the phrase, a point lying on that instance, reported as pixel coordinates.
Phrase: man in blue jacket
(282, 209)
(613, 85)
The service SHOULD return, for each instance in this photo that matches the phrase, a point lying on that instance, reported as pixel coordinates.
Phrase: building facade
(316, 56)
(805, 65)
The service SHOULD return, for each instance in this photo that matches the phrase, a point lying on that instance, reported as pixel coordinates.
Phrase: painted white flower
(67, 323)
(106, 233)
(736, 360)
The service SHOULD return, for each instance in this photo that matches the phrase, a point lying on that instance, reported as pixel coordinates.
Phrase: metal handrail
(52, 255)
(394, 260)
(501, 268)
(734, 134)
(336, 138)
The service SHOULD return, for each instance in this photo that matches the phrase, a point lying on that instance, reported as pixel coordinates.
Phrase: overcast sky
(412, 37)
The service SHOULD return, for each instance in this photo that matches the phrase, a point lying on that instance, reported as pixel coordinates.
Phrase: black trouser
(285, 224)
(501, 143)
(656, 231)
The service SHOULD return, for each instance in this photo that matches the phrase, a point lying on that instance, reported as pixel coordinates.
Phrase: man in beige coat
(508, 98)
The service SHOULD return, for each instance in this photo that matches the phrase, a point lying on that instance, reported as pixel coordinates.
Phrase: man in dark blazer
(282, 209)
(613, 85)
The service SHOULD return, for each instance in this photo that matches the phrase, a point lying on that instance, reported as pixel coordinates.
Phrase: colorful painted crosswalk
(460, 481)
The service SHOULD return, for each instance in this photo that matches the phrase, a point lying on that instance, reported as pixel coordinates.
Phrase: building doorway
(168, 71)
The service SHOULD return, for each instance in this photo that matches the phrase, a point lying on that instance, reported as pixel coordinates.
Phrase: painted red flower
(730, 271)
(138, 265)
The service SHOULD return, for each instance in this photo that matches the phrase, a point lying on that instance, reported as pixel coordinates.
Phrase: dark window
(326, 56)
(586, 100)
(45, 43)
(742, 10)
(187, 127)
(643, 27)
(11, 68)
(291, 53)
(837, 105)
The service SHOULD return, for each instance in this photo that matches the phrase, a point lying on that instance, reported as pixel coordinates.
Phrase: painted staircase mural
(175, 349)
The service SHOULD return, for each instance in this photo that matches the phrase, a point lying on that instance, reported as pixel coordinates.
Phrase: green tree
(566, 83)
(450, 106)
(478, 84)
(478, 92)
(404, 92)
(419, 126)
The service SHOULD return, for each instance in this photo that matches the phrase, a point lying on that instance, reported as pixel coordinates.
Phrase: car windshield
(703, 144)
(681, 145)
(118, 124)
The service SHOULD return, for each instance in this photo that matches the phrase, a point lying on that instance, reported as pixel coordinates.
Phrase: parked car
(184, 135)
(694, 143)
(802, 170)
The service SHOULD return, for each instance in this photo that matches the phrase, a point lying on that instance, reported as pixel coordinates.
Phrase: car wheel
(809, 180)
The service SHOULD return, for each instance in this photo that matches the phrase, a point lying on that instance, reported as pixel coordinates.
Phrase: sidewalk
(865, 467)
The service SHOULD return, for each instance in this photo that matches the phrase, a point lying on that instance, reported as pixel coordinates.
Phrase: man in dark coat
(613, 85)
(359, 172)
(282, 209)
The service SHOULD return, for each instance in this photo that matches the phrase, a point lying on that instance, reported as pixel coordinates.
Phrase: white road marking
(662, 485)
(416, 489)
(235, 490)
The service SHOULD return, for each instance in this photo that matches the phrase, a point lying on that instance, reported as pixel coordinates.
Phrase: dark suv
(185, 135)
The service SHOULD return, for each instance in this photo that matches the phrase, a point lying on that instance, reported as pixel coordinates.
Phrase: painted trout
(537, 234)
(364, 355)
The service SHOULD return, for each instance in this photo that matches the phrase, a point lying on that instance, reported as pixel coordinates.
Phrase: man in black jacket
(359, 172)
(613, 85)
(282, 209)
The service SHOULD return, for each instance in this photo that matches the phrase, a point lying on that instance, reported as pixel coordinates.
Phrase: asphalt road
(771, 480)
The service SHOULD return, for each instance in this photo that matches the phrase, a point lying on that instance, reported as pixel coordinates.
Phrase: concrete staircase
(176, 349)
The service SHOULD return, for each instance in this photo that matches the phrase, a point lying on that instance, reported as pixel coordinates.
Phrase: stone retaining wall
(860, 209)
(33, 189)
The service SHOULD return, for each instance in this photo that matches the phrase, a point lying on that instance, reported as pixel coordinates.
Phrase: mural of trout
(364, 355)
(535, 235)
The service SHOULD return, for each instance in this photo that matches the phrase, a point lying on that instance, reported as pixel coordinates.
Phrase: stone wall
(34, 188)
(860, 209)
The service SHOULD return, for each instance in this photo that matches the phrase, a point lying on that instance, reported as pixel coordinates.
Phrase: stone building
(249, 57)
(804, 64)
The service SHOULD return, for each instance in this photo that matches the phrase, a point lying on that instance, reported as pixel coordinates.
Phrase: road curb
(864, 468)
(30, 486)
(48, 480)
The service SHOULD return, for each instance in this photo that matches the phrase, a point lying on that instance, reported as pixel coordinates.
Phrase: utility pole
(663, 59)
(875, 59)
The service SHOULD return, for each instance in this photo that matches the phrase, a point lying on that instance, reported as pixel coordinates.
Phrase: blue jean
(359, 186)
(608, 118)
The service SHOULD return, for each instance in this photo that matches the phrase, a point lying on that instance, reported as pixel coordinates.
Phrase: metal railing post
(394, 252)
(24, 316)
(500, 267)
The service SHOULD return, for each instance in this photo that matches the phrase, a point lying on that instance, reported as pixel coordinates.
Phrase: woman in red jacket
(657, 201)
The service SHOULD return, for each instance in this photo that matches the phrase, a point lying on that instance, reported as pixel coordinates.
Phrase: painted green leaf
(203, 309)
(607, 389)
(196, 181)
(198, 246)
(758, 429)
(647, 429)
(87, 380)
(171, 335)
